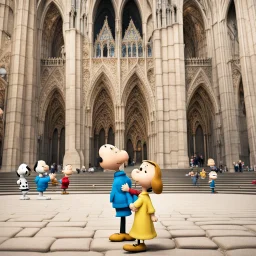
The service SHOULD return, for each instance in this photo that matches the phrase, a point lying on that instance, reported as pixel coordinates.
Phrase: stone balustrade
(53, 61)
(199, 62)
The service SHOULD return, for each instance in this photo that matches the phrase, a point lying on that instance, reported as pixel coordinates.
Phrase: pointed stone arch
(122, 6)
(137, 118)
(201, 79)
(104, 77)
(51, 126)
(102, 118)
(45, 97)
(95, 5)
(201, 112)
(136, 78)
(51, 29)
(195, 24)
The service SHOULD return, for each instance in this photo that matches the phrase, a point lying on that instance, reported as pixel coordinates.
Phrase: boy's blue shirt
(118, 198)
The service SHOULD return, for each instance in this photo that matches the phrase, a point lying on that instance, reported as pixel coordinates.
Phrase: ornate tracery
(104, 45)
(132, 44)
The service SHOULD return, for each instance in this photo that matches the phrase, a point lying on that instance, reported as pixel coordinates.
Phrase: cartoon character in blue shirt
(212, 178)
(111, 158)
(212, 174)
(42, 179)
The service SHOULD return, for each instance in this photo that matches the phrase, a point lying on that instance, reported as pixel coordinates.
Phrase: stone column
(20, 85)
(168, 161)
(159, 98)
(2, 18)
(228, 111)
(179, 66)
(29, 130)
(247, 41)
(120, 127)
(71, 154)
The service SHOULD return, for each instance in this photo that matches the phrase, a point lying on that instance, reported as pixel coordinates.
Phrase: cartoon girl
(148, 176)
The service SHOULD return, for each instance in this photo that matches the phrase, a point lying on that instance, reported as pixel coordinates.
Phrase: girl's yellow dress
(143, 227)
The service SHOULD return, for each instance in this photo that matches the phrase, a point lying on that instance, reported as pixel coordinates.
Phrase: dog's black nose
(100, 159)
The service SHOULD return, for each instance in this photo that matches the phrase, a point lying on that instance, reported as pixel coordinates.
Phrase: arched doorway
(102, 119)
(136, 121)
(201, 133)
(53, 141)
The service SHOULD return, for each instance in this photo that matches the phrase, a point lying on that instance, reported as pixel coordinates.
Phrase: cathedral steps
(174, 181)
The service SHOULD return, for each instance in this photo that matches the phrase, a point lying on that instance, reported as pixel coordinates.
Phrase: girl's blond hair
(156, 183)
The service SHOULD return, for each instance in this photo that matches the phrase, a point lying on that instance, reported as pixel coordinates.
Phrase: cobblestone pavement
(79, 225)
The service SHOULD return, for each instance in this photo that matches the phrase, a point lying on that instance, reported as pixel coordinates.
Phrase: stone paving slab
(161, 233)
(28, 244)
(66, 224)
(2, 239)
(45, 232)
(251, 227)
(9, 231)
(60, 219)
(170, 219)
(221, 227)
(71, 244)
(231, 222)
(28, 232)
(195, 243)
(174, 252)
(101, 245)
(187, 233)
(184, 227)
(5, 218)
(2, 253)
(231, 242)
(23, 224)
(207, 219)
(31, 218)
(63, 216)
(177, 223)
(241, 252)
(220, 232)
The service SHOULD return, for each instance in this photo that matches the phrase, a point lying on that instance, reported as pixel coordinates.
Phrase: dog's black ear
(35, 166)
(28, 168)
(17, 174)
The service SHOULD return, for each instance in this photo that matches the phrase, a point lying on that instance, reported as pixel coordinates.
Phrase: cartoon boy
(111, 158)
(212, 178)
(42, 179)
(68, 171)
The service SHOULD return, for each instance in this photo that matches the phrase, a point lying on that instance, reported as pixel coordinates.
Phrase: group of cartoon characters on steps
(42, 179)
(123, 198)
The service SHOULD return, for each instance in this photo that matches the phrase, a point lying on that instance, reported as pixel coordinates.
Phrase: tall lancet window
(132, 45)
(104, 44)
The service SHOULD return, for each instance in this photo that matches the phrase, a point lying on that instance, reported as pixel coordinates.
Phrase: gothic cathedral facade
(162, 79)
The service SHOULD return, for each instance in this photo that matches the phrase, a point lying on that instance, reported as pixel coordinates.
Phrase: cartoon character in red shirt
(65, 180)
